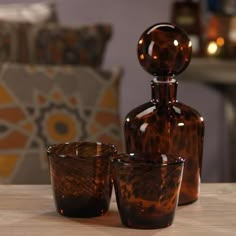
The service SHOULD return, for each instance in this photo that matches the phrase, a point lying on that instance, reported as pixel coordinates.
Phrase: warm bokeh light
(140, 41)
(141, 56)
(220, 41)
(212, 48)
(176, 43)
(181, 124)
(154, 57)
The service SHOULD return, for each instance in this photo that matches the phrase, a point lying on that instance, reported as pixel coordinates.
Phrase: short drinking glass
(81, 177)
(147, 188)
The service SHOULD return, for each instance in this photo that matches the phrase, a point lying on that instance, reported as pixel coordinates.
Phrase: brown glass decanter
(165, 125)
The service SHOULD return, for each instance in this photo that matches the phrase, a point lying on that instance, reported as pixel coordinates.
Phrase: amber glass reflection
(165, 125)
(81, 178)
(147, 188)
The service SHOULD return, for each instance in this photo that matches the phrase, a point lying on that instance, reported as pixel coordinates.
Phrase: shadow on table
(102, 223)
(110, 219)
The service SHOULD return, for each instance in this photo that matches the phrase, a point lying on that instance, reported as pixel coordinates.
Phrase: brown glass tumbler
(81, 177)
(147, 188)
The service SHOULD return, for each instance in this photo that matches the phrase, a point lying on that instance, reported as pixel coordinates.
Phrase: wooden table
(29, 210)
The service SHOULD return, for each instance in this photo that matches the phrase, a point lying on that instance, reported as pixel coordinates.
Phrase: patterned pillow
(8, 41)
(15, 23)
(29, 12)
(53, 44)
(14, 41)
(42, 105)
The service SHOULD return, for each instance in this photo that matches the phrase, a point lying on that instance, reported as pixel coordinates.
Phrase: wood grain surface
(29, 210)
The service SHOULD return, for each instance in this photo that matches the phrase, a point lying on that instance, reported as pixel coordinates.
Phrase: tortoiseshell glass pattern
(147, 188)
(81, 177)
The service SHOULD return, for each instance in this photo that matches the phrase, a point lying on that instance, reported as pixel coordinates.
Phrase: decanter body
(165, 125)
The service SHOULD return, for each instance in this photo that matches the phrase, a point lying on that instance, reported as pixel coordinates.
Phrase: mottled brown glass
(164, 50)
(165, 125)
(147, 188)
(81, 177)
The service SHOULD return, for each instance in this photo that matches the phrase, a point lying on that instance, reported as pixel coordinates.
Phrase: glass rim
(52, 150)
(128, 159)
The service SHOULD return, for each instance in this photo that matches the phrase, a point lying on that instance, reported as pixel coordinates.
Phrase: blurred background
(129, 19)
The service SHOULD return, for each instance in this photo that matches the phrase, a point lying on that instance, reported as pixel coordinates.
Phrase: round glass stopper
(164, 50)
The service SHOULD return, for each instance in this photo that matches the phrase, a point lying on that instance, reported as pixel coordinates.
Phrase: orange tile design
(73, 101)
(60, 118)
(56, 96)
(93, 129)
(106, 118)
(5, 97)
(7, 164)
(41, 99)
(28, 127)
(14, 140)
(12, 114)
(109, 99)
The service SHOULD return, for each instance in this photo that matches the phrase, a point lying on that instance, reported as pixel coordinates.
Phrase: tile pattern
(43, 105)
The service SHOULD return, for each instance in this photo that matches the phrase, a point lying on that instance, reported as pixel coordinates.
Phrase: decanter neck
(164, 91)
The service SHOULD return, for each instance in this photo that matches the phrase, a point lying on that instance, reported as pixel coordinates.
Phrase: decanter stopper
(164, 50)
